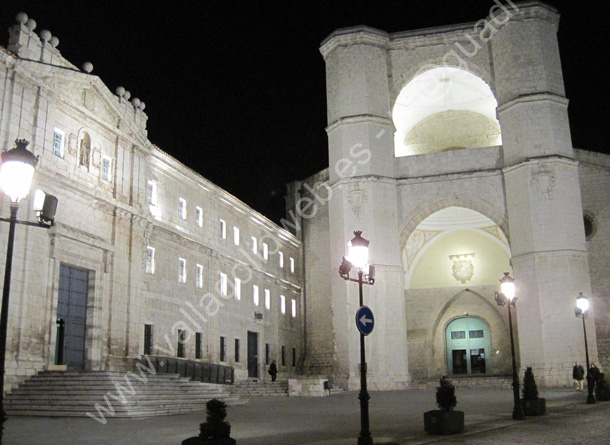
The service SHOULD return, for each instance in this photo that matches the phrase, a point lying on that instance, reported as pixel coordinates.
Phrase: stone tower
(513, 164)
(549, 255)
(362, 178)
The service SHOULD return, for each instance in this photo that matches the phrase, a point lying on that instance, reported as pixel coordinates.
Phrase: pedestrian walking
(578, 374)
(273, 371)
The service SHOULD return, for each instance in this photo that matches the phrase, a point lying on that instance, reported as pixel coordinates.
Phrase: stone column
(547, 239)
(361, 177)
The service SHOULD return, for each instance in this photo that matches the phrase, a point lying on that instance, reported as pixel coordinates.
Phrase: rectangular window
(283, 304)
(199, 279)
(291, 265)
(181, 270)
(223, 229)
(237, 289)
(236, 236)
(254, 245)
(58, 143)
(223, 283)
(255, 294)
(265, 251)
(294, 357)
(237, 350)
(150, 260)
(151, 193)
(182, 208)
(223, 349)
(198, 342)
(267, 353)
(267, 299)
(283, 355)
(106, 168)
(294, 308)
(199, 216)
(181, 341)
(281, 259)
(148, 339)
(476, 334)
(457, 335)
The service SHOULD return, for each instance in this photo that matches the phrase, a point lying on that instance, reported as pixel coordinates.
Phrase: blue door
(468, 346)
(72, 316)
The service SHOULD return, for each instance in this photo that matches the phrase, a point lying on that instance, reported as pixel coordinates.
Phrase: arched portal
(443, 109)
(468, 346)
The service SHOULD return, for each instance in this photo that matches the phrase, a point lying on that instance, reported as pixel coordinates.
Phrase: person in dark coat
(273, 371)
(594, 373)
(578, 374)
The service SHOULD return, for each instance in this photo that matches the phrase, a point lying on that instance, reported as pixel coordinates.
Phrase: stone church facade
(146, 256)
(449, 148)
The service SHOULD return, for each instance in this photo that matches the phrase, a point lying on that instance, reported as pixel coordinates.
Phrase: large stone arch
(425, 209)
(437, 62)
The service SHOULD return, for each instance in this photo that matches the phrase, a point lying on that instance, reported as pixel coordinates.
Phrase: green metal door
(468, 346)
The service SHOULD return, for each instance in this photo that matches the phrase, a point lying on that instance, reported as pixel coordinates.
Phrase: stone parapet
(307, 387)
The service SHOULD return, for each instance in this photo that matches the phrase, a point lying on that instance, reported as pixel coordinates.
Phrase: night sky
(236, 89)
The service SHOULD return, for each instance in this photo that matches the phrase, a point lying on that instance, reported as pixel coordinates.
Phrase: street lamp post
(582, 306)
(358, 256)
(507, 297)
(16, 173)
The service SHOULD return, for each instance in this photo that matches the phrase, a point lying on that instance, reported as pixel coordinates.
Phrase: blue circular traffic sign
(365, 321)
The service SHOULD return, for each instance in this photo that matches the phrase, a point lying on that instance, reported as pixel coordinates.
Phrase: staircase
(469, 381)
(112, 394)
(251, 388)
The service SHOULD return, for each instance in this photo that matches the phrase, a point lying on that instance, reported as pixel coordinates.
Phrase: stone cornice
(536, 97)
(539, 159)
(361, 179)
(357, 35)
(358, 119)
(448, 177)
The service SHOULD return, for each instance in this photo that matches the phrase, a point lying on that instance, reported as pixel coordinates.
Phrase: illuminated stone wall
(529, 188)
(106, 223)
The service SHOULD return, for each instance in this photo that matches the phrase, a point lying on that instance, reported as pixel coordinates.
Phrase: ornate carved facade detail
(415, 243)
(496, 233)
(356, 200)
(89, 100)
(463, 267)
(543, 178)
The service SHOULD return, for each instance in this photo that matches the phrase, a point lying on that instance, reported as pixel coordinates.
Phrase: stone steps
(501, 382)
(252, 388)
(74, 394)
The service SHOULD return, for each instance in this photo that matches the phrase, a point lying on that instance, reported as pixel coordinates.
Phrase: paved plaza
(396, 417)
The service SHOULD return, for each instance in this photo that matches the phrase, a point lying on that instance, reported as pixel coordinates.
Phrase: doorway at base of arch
(468, 347)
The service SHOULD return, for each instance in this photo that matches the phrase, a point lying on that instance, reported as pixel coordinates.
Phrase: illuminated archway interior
(455, 247)
(445, 109)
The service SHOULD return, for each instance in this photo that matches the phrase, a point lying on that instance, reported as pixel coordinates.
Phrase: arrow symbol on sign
(365, 320)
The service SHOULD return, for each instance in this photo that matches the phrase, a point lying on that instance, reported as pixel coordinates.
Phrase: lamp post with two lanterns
(16, 174)
(507, 297)
(358, 256)
(582, 306)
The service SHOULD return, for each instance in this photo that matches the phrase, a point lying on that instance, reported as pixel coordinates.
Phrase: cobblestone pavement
(396, 417)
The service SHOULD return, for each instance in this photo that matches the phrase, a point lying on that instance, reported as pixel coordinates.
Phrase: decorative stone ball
(136, 102)
(142, 106)
(31, 23)
(127, 95)
(54, 42)
(45, 35)
(87, 67)
(120, 91)
(22, 18)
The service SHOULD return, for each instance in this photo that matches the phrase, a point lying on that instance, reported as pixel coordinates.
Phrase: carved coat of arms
(463, 267)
